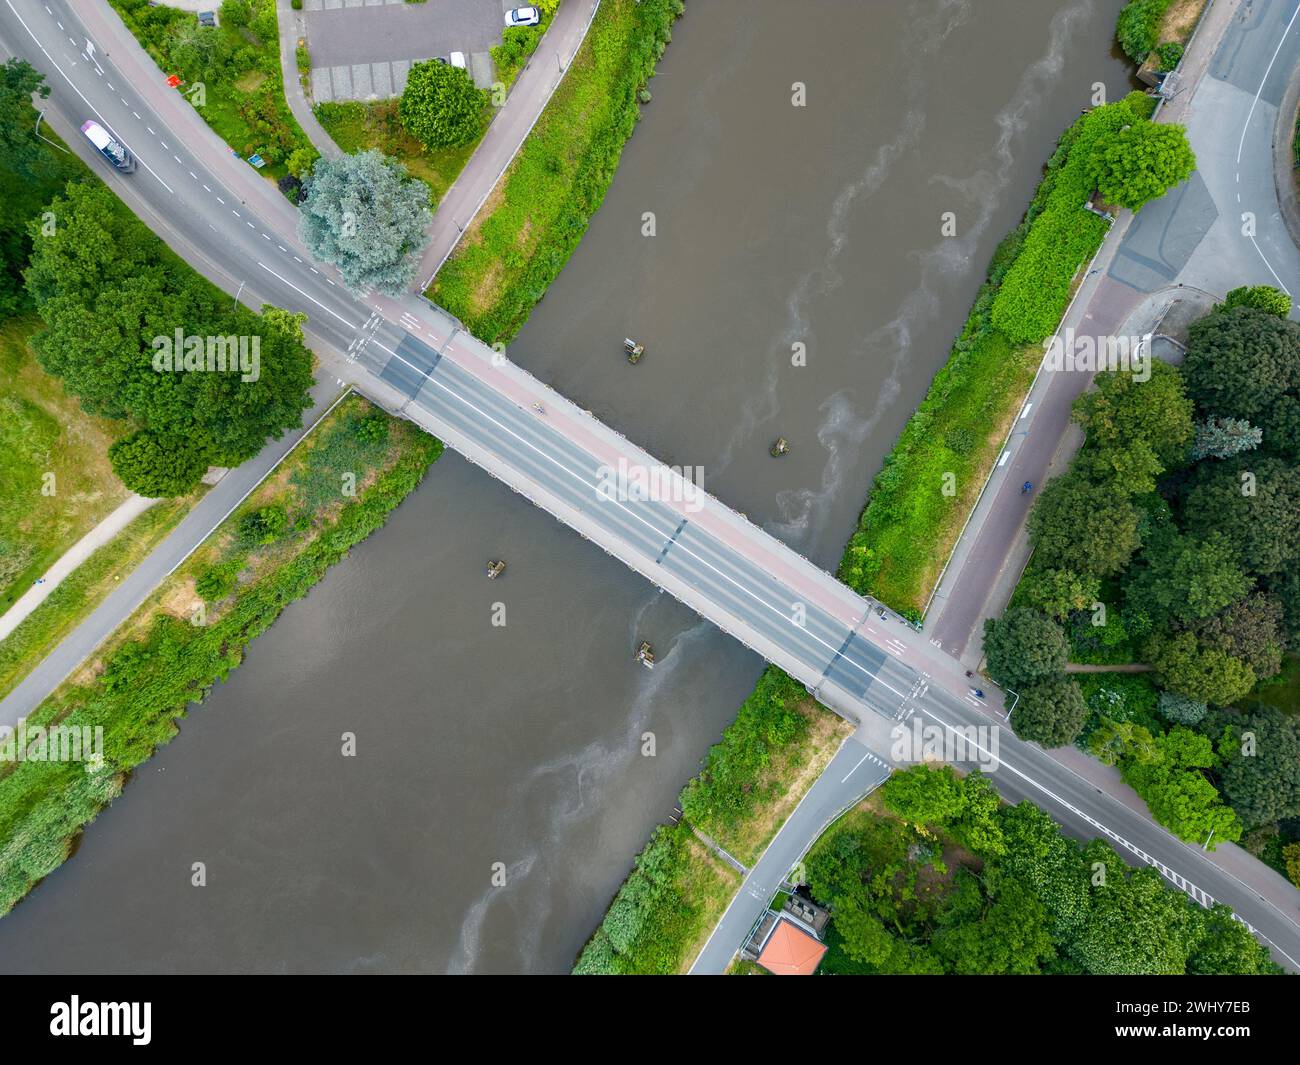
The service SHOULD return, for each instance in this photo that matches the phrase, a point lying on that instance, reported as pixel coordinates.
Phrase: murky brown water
(521, 745)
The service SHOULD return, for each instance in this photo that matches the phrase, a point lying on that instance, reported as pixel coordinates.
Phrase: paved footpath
(528, 97)
(73, 557)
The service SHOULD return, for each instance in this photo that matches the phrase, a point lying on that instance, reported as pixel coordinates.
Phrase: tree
(1138, 27)
(440, 105)
(1252, 501)
(865, 938)
(925, 795)
(1051, 712)
(1221, 438)
(156, 465)
(1260, 771)
(1038, 854)
(1023, 647)
(1249, 629)
(1241, 361)
(1059, 592)
(366, 216)
(1083, 527)
(31, 172)
(1262, 297)
(1136, 429)
(1180, 709)
(1113, 742)
(1181, 578)
(1011, 936)
(1140, 162)
(1223, 946)
(1207, 675)
(114, 299)
(1179, 797)
(1136, 926)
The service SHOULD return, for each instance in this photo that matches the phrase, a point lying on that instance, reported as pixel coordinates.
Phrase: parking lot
(363, 49)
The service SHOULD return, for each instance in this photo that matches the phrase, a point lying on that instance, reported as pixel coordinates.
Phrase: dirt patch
(1180, 19)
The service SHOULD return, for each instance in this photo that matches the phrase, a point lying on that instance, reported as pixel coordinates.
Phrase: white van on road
(109, 148)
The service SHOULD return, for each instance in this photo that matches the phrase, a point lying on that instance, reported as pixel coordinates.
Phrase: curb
(1284, 167)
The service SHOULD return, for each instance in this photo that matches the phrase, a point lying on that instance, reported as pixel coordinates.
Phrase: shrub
(1261, 297)
(1139, 163)
(1169, 53)
(158, 464)
(1180, 709)
(263, 526)
(1138, 27)
(217, 582)
(440, 105)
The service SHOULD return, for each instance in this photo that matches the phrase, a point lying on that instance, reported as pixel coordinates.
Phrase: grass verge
(929, 482)
(356, 127)
(197, 625)
(56, 482)
(534, 218)
(677, 890)
(85, 588)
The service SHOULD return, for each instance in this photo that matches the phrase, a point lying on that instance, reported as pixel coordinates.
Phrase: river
(519, 747)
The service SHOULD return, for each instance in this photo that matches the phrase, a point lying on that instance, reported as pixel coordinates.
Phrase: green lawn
(56, 483)
(356, 126)
(84, 589)
(539, 211)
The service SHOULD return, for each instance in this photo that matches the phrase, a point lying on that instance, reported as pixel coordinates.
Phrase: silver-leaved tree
(367, 216)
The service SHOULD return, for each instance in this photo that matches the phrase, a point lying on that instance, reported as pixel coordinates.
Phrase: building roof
(790, 951)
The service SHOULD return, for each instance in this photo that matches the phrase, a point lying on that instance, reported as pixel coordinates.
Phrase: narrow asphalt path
(130, 509)
(529, 95)
(292, 27)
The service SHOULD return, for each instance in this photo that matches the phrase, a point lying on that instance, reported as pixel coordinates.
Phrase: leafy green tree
(1223, 946)
(1181, 578)
(1059, 592)
(31, 172)
(1260, 771)
(1241, 361)
(1178, 795)
(925, 795)
(1135, 926)
(1038, 854)
(1087, 528)
(1252, 500)
(156, 465)
(1113, 742)
(263, 526)
(866, 939)
(441, 106)
(1262, 297)
(1221, 438)
(1138, 27)
(1205, 674)
(1051, 712)
(1140, 162)
(364, 214)
(1136, 429)
(1250, 629)
(1011, 936)
(1023, 647)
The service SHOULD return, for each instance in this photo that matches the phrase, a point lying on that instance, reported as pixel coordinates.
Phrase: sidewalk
(292, 27)
(101, 534)
(529, 96)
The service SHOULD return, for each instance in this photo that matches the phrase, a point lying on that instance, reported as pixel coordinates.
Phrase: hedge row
(1064, 234)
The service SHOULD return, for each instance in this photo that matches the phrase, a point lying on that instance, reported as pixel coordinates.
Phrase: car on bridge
(108, 147)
